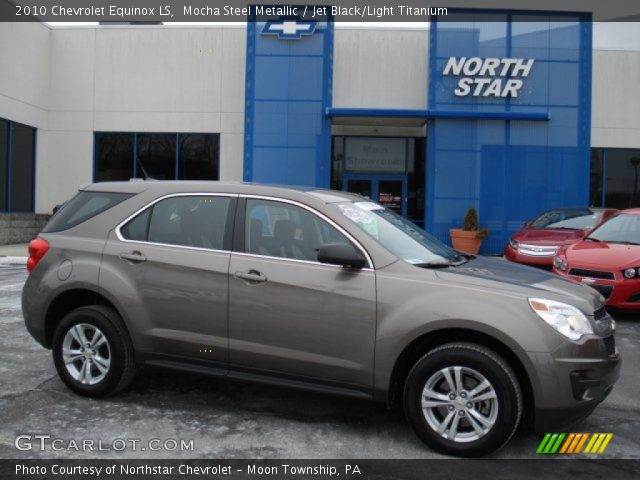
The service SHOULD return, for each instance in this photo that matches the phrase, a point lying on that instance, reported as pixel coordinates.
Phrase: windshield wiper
(433, 265)
(592, 239)
(461, 258)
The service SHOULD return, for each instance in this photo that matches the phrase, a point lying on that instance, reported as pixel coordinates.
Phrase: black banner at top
(161, 11)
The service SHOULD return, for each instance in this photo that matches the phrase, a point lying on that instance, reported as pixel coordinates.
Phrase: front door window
(278, 229)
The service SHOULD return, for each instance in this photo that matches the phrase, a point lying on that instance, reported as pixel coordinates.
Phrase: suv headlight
(566, 319)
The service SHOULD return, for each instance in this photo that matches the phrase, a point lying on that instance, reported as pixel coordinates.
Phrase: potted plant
(468, 239)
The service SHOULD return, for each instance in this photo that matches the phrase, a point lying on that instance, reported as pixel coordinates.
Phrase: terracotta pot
(465, 241)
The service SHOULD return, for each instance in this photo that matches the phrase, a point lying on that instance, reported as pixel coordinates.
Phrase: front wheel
(92, 351)
(463, 399)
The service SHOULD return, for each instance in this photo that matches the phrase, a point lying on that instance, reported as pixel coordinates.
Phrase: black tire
(122, 366)
(494, 369)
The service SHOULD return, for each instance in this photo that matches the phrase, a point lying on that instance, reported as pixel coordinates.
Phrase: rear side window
(138, 228)
(82, 207)
(189, 221)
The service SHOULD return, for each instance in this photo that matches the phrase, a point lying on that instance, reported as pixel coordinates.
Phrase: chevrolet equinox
(315, 289)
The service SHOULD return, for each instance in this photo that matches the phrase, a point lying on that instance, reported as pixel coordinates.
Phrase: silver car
(315, 289)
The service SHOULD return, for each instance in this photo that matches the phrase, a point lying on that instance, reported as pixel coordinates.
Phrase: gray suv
(315, 289)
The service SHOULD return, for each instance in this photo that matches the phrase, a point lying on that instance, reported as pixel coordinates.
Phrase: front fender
(411, 306)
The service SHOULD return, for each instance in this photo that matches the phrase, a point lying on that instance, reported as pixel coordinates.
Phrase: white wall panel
(24, 72)
(615, 113)
(64, 162)
(231, 148)
(380, 68)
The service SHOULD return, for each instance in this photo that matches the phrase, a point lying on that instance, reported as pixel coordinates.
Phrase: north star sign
(488, 77)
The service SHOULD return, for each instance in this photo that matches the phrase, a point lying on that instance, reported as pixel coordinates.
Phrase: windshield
(576, 219)
(396, 234)
(619, 229)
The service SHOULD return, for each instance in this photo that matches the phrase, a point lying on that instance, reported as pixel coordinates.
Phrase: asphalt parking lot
(228, 419)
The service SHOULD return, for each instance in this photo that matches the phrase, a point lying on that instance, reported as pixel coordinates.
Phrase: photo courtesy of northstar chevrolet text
(319, 239)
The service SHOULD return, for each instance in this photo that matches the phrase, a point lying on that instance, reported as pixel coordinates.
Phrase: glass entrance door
(388, 190)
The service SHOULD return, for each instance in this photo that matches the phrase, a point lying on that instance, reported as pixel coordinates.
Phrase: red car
(540, 239)
(608, 259)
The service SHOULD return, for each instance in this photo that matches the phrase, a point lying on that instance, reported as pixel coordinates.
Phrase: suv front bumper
(571, 386)
(589, 386)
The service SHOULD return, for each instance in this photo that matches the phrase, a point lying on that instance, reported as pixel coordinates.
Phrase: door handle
(134, 256)
(252, 276)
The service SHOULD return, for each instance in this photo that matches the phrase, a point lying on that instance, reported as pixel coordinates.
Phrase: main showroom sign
(488, 77)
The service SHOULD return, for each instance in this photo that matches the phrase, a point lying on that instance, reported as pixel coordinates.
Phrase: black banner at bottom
(543, 468)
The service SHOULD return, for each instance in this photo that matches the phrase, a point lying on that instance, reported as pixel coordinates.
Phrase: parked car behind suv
(315, 289)
(608, 259)
(541, 238)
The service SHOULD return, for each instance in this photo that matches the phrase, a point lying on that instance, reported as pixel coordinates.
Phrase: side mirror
(345, 255)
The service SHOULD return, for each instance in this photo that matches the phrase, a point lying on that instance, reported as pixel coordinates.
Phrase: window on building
(113, 156)
(416, 175)
(199, 156)
(615, 177)
(157, 155)
(4, 137)
(162, 156)
(595, 183)
(22, 155)
(17, 166)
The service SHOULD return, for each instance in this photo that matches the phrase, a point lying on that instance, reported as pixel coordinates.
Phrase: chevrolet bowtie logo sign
(289, 28)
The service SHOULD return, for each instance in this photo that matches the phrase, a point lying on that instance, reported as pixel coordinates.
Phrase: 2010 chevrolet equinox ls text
(314, 289)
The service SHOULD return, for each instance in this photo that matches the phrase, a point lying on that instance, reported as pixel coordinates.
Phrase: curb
(13, 260)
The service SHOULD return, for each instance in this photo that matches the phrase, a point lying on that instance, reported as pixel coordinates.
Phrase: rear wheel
(463, 399)
(92, 351)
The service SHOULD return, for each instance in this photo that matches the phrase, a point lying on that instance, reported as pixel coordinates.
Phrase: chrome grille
(537, 250)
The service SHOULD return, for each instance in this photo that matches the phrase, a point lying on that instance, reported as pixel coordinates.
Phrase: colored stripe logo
(573, 443)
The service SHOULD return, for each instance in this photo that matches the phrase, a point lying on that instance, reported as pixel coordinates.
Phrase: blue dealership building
(507, 122)
(511, 112)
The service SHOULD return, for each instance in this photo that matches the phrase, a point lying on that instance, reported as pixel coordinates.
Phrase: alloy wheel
(459, 404)
(86, 354)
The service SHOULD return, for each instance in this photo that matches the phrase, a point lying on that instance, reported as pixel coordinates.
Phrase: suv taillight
(37, 248)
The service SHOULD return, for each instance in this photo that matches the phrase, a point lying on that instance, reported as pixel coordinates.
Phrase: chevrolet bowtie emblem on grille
(289, 28)
(588, 281)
